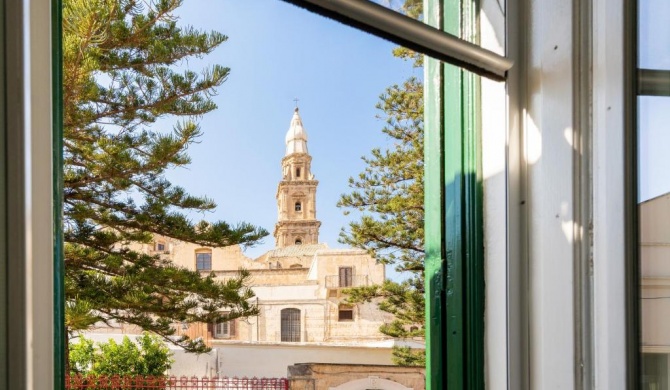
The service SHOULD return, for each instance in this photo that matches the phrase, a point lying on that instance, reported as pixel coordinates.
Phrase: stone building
(304, 316)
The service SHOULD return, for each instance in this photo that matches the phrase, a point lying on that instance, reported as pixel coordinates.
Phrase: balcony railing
(335, 281)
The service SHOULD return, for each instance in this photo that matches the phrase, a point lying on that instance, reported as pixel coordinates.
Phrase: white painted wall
(190, 364)
(263, 360)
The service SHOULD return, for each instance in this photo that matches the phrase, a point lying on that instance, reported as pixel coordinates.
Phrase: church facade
(304, 316)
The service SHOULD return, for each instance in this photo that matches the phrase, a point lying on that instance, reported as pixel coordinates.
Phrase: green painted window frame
(454, 210)
(59, 254)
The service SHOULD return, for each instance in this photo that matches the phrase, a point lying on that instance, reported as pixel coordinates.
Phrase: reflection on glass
(654, 214)
(411, 8)
(654, 38)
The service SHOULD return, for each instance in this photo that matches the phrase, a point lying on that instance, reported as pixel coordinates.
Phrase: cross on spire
(296, 102)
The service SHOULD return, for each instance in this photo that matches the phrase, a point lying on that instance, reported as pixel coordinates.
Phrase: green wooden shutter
(453, 191)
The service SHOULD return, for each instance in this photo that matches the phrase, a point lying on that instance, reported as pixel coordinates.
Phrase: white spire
(296, 137)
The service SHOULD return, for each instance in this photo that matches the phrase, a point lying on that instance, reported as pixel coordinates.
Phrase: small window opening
(203, 261)
(345, 313)
(346, 277)
(297, 172)
(290, 325)
(298, 206)
(159, 246)
(298, 241)
(224, 330)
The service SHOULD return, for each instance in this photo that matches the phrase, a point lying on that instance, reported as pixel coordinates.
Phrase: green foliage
(387, 199)
(406, 356)
(389, 192)
(150, 357)
(125, 67)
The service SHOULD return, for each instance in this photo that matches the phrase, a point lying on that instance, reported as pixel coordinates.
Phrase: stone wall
(319, 376)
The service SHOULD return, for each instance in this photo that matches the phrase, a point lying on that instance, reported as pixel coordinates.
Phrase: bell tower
(296, 193)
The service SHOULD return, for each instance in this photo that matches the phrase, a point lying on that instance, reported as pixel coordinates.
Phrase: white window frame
(548, 207)
(222, 330)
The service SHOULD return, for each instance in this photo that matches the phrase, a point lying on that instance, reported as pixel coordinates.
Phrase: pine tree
(124, 69)
(388, 197)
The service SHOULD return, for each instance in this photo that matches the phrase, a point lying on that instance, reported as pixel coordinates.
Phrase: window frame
(293, 323)
(350, 277)
(454, 265)
(442, 44)
(345, 308)
(229, 330)
(197, 261)
(449, 48)
(631, 219)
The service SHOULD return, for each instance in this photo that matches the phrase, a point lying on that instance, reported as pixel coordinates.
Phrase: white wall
(263, 360)
(190, 364)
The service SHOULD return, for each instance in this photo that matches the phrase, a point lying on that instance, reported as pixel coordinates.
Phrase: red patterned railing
(117, 382)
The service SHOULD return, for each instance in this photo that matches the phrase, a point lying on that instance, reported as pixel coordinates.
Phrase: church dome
(296, 137)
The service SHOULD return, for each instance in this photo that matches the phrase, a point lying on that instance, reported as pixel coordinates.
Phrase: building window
(290, 325)
(298, 241)
(224, 330)
(346, 277)
(203, 261)
(297, 172)
(159, 246)
(345, 313)
(298, 206)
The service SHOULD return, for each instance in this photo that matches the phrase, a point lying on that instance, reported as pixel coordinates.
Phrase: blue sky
(278, 52)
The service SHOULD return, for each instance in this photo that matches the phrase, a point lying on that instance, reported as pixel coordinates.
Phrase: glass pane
(654, 34)
(654, 213)
(411, 8)
(653, 147)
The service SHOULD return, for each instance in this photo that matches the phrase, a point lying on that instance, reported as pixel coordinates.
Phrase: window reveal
(290, 325)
